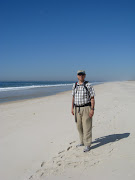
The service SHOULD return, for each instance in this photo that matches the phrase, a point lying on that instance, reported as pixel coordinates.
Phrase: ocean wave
(29, 87)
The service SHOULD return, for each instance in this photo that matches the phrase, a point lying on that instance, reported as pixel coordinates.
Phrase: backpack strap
(86, 87)
(85, 83)
(75, 85)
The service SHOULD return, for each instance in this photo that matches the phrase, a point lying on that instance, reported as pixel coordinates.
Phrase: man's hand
(72, 111)
(91, 113)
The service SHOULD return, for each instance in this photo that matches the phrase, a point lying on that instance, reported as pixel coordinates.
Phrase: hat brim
(81, 74)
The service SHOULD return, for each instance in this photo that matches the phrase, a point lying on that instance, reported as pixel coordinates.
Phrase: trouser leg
(79, 124)
(87, 126)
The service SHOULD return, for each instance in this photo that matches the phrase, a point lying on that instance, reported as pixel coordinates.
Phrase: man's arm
(92, 107)
(92, 95)
(92, 102)
(73, 94)
(72, 109)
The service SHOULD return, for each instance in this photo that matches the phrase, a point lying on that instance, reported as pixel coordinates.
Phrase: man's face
(81, 77)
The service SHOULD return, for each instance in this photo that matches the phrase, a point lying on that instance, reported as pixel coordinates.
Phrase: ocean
(20, 90)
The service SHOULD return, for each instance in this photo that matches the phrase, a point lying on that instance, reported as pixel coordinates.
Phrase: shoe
(86, 149)
(79, 145)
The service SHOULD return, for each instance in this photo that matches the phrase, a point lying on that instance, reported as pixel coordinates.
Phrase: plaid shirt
(81, 96)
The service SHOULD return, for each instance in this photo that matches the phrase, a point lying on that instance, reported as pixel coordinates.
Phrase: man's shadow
(108, 139)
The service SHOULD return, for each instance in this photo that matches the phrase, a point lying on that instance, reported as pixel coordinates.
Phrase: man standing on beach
(83, 103)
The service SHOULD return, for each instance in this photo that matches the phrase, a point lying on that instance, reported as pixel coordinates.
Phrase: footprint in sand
(41, 174)
(69, 148)
(38, 170)
(61, 152)
(42, 164)
(30, 177)
(62, 156)
(72, 142)
(73, 164)
(58, 161)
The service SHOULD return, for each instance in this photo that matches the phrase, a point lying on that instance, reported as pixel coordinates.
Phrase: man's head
(81, 75)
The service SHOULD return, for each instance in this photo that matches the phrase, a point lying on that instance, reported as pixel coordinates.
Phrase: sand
(38, 137)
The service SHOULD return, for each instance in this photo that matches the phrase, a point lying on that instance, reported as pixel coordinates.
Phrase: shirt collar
(80, 84)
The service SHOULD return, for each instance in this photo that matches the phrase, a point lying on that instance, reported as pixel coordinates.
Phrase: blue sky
(52, 39)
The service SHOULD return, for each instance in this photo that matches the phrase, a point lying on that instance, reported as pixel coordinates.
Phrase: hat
(80, 72)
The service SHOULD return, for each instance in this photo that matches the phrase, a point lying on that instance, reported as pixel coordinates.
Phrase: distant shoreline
(27, 94)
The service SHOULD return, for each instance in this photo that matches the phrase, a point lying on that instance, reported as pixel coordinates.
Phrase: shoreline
(32, 99)
(40, 97)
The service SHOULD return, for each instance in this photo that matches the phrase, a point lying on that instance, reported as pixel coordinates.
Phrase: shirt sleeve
(91, 90)
(73, 90)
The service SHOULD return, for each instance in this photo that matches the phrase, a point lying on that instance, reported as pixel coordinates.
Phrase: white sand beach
(38, 137)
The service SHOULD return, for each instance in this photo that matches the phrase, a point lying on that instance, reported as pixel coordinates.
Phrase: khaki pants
(84, 125)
